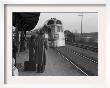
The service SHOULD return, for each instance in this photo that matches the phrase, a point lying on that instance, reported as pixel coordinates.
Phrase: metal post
(81, 23)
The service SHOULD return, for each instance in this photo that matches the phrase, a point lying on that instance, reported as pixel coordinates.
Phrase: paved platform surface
(56, 65)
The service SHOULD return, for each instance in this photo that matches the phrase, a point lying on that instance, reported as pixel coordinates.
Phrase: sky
(72, 21)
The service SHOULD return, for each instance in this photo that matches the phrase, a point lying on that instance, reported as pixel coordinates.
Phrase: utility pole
(81, 23)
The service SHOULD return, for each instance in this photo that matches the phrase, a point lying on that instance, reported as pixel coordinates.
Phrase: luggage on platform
(29, 66)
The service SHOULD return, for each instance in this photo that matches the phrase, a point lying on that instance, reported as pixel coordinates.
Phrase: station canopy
(25, 21)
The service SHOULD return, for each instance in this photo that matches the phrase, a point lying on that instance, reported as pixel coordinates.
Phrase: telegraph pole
(81, 23)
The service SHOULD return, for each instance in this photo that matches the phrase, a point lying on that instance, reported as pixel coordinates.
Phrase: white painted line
(73, 64)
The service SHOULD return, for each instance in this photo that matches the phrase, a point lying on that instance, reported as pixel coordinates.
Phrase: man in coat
(31, 48)
(40, 52)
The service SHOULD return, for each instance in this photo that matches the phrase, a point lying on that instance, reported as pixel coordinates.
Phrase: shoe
(43, 68)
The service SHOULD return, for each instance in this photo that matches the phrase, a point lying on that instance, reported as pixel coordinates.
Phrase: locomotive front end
(56, 34)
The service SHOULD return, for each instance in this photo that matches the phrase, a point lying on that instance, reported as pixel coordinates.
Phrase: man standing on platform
(40, 52)
(31, 48)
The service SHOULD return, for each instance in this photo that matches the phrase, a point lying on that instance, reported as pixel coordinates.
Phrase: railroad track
(74, 64)
(84, 56)
(83, 69)
(87, 47)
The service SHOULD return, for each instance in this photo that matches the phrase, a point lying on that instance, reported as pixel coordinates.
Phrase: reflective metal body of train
(56, 35)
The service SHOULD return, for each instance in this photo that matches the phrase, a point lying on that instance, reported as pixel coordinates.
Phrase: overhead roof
(25, 20)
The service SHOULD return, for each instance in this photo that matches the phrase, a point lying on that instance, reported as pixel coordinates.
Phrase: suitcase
(29, 66)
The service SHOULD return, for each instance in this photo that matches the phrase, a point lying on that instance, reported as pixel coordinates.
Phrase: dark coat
(31, 48)
(40, 50)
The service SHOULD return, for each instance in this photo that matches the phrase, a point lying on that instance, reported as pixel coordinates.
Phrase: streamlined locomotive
(56, 35)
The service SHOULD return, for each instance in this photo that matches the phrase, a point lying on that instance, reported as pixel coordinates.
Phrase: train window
(53, 28)
(59, 29)
(58, 22)
(50, 22)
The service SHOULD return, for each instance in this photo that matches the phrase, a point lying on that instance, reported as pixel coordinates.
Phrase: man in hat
(40, 52)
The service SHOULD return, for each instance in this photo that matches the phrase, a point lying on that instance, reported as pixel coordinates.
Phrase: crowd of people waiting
(38, 44)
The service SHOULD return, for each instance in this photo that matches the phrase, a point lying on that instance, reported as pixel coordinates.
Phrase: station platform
(56, 65)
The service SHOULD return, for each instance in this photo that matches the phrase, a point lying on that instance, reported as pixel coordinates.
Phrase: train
(56, 36)
(76, 37)
(69, 36)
